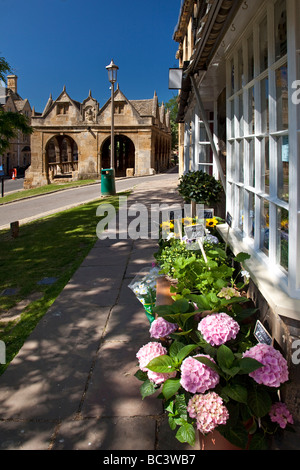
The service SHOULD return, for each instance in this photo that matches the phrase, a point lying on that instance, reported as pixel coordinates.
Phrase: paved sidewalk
(72, 386)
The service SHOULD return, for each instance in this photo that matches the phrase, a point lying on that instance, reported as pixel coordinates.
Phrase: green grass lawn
(54, 246)
(48, 188)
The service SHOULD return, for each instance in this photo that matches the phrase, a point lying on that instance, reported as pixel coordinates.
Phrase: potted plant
(200, 187)
(207, 366)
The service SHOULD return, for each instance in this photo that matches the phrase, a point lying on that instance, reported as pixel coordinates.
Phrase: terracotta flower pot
(215, 441)
(163, 294)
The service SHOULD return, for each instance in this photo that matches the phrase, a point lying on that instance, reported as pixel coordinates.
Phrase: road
(12, 186)
(33, 208)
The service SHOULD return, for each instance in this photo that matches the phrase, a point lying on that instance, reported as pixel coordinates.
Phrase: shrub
(200, 187)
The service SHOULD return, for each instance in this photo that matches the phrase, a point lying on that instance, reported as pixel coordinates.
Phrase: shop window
(258, 145)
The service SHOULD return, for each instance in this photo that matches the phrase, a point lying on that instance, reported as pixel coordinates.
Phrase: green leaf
(175, 347)
(259, 401)
(209, 363)
(241, 257)
(182, 333)
(186, 316)
(185, 351)
(248, 365)
(148, 388)
(181, 306)
(225, 357)
(170, 388)
(172, 423)
(161, 364)
(186, 433)
(140, 375)
(236, 392)
(258, 442)
(180, 405)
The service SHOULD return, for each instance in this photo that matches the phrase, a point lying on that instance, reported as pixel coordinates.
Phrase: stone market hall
(71, 140)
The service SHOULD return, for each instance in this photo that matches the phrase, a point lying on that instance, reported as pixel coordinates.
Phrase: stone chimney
(12, 83)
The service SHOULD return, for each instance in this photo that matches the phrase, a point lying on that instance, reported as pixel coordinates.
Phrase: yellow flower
(166, 225)
(211, 222)
(187, 220)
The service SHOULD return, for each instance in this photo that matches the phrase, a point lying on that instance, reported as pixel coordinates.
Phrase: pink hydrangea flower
(274, 370)
(146, 354)
(280, 414)
(197, 377)
(161, 328)
(218, 328)
(208, 410)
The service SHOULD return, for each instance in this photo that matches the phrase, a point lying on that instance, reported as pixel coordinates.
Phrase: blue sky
(52, 43)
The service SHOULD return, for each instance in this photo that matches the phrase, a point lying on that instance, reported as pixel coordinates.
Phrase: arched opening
(61, 156)
(124, 154)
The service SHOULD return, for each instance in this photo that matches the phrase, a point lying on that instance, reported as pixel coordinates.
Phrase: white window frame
(239, 192)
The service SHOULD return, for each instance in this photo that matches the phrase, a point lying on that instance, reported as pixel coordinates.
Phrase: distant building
(71, 140)
(18, 154)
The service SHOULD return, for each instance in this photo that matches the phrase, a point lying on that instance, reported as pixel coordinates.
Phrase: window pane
(251, 162)
(230, 160)
(202, 133)
(252, 215)
(231, 115)
(241, 209)
(266, 165)
(265, 106)
(264, 240)
(282, 98)
(263, 40)
(283, 168)
(280, 29)
(251, 111)
(241, 161)
(241, 115)
(283, 238)
(241, 80)
(250, 59)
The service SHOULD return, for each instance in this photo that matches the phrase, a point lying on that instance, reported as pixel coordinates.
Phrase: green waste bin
(108, 182)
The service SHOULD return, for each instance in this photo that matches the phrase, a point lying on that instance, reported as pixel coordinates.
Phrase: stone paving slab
(113, 390)
(27, 435)
(118, 433)
(48, 376)
(72, 385)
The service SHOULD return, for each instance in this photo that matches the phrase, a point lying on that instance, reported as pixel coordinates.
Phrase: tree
(172, 105)
(10, 122)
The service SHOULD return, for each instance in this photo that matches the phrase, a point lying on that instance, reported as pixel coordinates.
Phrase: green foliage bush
(200, 187)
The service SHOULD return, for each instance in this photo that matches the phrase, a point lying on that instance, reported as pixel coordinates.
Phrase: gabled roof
(17, 100)
(143, 107)
(119, 96)
(51, 104)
